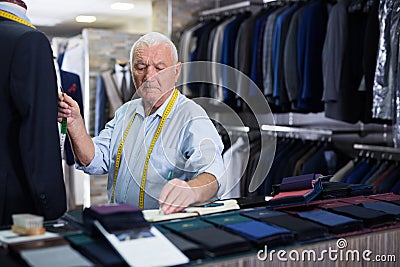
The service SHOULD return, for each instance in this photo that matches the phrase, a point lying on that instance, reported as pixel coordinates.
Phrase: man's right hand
(68, 108)
(81, 142)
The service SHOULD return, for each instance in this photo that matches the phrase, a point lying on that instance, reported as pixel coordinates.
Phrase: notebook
(154, 215)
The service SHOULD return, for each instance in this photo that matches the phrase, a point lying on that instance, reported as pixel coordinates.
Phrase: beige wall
(184, 12)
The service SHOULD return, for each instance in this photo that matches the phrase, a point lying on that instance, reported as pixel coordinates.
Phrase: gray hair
(153, 39)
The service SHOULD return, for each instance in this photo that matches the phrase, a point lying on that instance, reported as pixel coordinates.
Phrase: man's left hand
(176, 196)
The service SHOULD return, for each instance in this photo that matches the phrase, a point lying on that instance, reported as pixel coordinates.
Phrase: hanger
(122, 62)
(356, 5)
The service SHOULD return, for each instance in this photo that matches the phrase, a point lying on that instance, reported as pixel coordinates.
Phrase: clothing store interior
(305, 97)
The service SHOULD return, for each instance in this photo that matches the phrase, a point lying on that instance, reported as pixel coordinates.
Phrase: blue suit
(72, 87)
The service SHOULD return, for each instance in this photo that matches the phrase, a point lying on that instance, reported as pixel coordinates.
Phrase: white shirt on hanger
(119, 75)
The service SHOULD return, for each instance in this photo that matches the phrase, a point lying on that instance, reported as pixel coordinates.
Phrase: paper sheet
(155, 250)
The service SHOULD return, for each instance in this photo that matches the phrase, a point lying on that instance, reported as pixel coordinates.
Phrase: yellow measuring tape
(10, 16)
(152, 144)
(118, 159)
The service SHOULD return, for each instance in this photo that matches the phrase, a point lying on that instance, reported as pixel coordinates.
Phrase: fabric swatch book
(335, 223)
(297, 189)
(371, 218)
(216, 241)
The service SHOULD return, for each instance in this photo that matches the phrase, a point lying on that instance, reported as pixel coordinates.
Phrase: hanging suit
(108, 99)
(72, 87)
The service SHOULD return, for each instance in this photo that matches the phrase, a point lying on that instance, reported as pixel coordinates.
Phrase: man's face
(154, 73)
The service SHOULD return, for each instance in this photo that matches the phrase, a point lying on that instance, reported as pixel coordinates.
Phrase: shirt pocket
(163, 161)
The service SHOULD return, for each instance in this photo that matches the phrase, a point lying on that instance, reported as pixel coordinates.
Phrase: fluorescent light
(85, 19)
(122, 6)
(42, 21)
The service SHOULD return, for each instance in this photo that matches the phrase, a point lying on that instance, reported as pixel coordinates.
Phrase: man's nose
(151, 72)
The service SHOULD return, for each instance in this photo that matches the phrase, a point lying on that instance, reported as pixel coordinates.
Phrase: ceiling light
(122, 6)
(85, 19)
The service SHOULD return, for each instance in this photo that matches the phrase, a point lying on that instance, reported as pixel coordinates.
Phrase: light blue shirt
(14, 11)
(188, 145)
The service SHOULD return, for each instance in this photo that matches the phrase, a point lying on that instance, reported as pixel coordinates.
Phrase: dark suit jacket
(31, 178)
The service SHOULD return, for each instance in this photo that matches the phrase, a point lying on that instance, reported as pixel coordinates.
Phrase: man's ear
(178, 68)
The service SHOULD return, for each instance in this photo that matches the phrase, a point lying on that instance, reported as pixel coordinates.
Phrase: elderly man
(159, 149)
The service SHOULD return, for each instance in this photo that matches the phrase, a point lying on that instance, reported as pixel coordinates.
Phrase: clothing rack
(241, 129)
(300, 133)
(381, 152)
(297, 132)
(235, 6)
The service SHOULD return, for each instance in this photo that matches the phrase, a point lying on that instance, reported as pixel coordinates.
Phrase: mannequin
(30, 154)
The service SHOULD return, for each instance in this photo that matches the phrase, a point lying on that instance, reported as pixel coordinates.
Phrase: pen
(209, 205)
(170, 175)
(64, 120)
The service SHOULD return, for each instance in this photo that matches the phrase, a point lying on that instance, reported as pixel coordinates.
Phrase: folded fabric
(97, 250)
(371, 218)
(224, 219)
(330, 205)
(262, 233)
(303, 229)
(340, 190)
(260, 213)
(390, 197)
(115, 217)
(295, 183)
(357, 200)
(216, 241)
(251, 202)
(383, 206)
(336, 223)
(185, 225)
(361, 189)
(191, 250)
(334, 190)
(297, 196)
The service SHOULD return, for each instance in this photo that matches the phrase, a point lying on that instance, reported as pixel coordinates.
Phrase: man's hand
(68, 108)
(177, 194)
(81, 142)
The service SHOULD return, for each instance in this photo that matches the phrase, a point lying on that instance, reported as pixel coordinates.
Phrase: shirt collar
(15, 11)
(160, 110)
(119, 68)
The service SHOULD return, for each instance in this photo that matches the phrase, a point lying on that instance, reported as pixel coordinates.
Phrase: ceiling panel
(57, 18)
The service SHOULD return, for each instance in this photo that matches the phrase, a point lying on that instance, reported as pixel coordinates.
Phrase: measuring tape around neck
(152, 144)
(10, 16)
